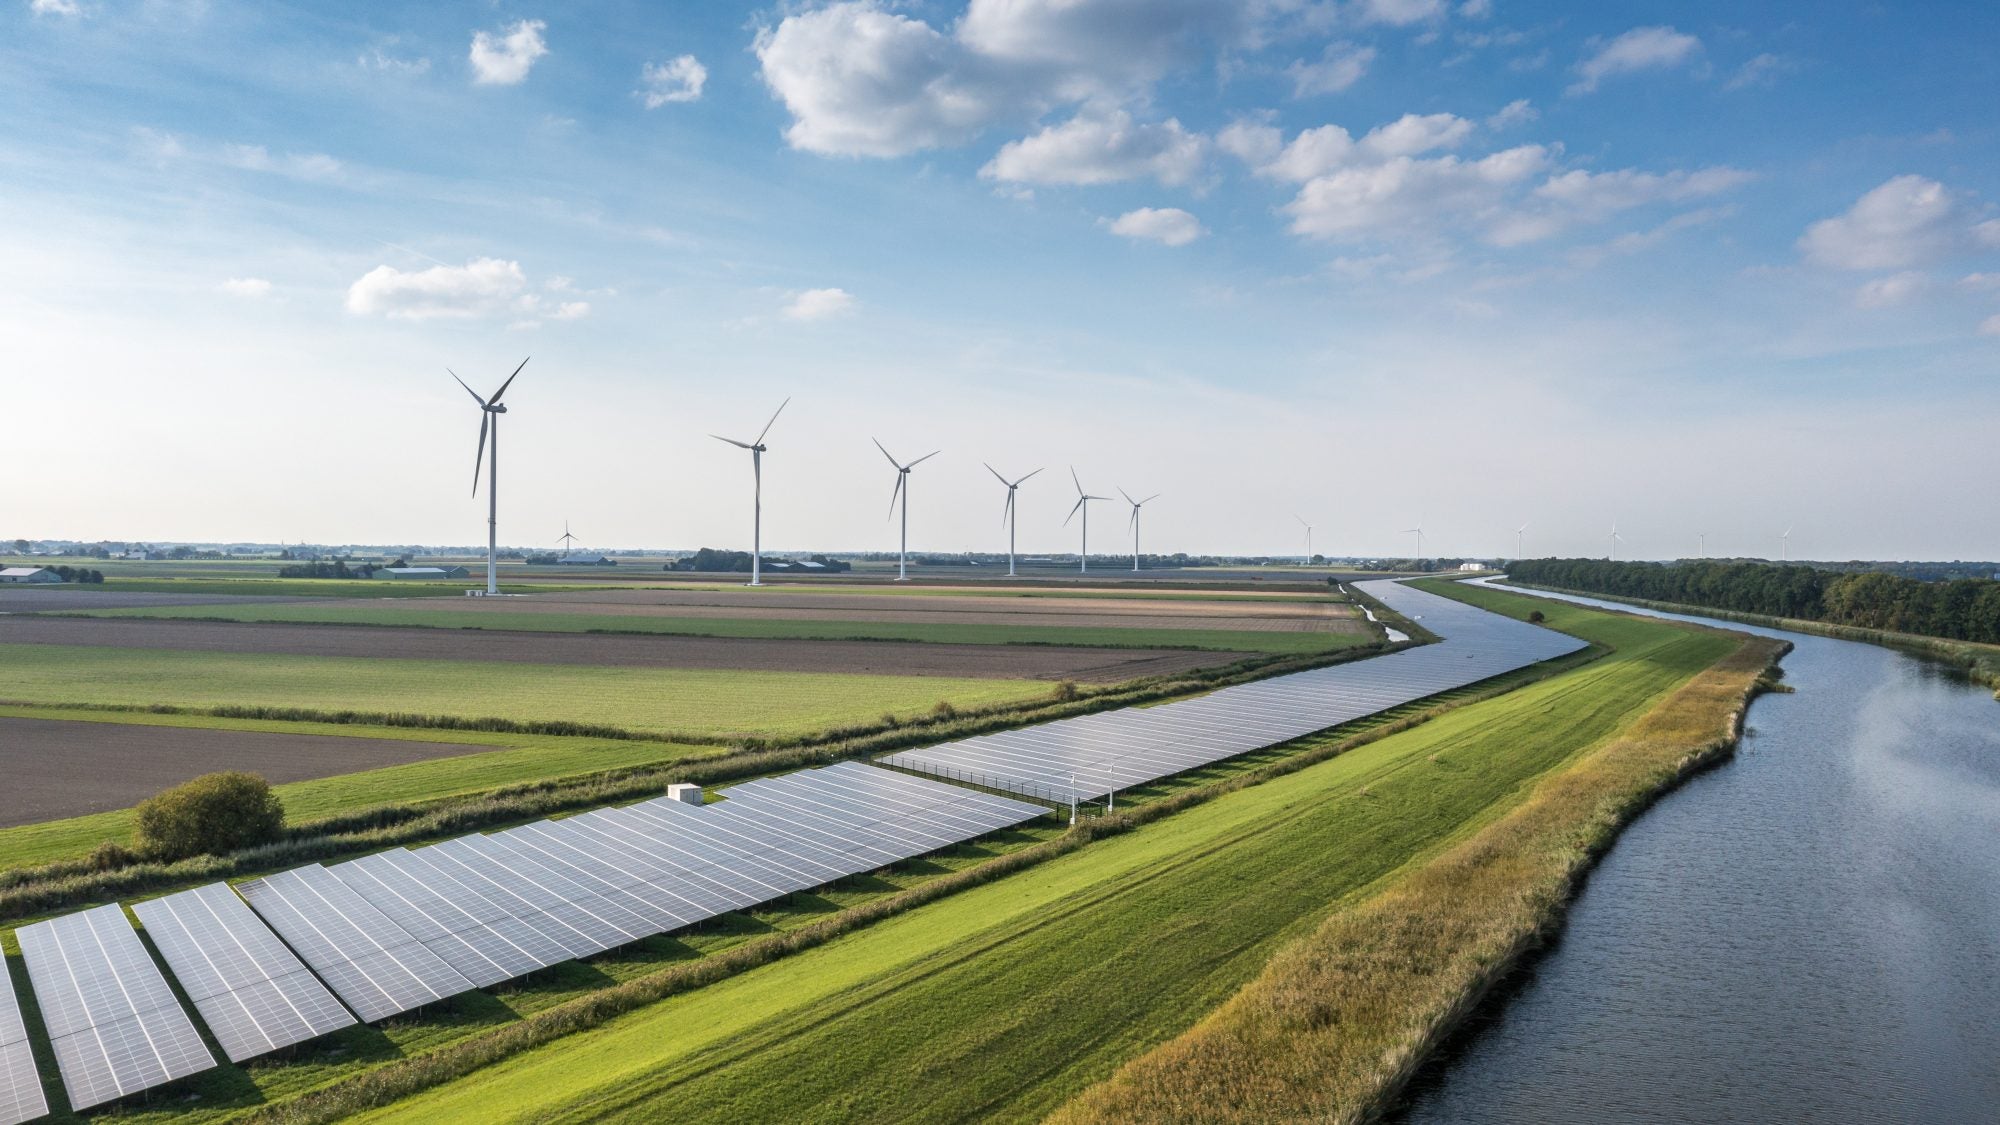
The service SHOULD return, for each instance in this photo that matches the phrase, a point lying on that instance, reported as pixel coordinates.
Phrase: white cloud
(1990, 326)
(299, 165)
(481, 287)
(1077, 49)
(1987, 234)
(1642, 48)
(1100, 149)
(378, 58)
(55, 7)
(251, 288)
(1413, 133)
(1759, 71)
(819, 304)
(1516, 112)
(676, 80)
(504, 59)
(1906, 221)
(1399, 13)
(1252, 142)
(1168, 225)
(1887, 292)
(1341, 65)
(1329, 148)
(1600, 193)
(1409, 197)
(571, 310)
(1476, 9)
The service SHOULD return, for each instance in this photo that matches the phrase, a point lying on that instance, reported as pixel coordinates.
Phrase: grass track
(1003, 1001)
(761, 628)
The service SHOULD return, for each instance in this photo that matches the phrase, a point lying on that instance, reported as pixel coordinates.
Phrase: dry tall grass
(1340, 1019)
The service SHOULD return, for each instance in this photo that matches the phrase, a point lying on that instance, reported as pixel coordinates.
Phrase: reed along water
(1809, 932)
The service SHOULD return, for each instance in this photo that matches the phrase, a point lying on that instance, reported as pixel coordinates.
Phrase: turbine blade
(1150, 499)
(924, 458)
(1075, 480)
(996, 474)
(468, 390)
(1072, 511)
(1018, 483)
(1127, 496)
(480, 458)
(732, 441)
(1133, 525)
(886, 453)
(495, 400)
(774, 418)
(895, 492)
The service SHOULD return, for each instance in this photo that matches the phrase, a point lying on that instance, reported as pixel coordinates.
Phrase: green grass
(669, 702)
(1001, 1002)
(514, 759)
(430, 617)
(300, 587)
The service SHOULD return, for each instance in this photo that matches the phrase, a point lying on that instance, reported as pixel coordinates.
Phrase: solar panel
(484, 943)
(252, 992)
(369, 961)
(1090, 756)
(112, 1018)
(20, 1083)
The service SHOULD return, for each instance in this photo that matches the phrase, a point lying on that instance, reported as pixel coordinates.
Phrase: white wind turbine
(490, 411)
(1136, 505)
(1785, 544)
(1521, 542)
(1417, 531)
(1007, 514)
(1615, 540)
(903, 490)
(1703, 536)
(1309, 538)
(566, 539)
(1083, 500)
(756, 449)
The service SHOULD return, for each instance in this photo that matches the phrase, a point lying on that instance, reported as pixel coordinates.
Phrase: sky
(1692, 269)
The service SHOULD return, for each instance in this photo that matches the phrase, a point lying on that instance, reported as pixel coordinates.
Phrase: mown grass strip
(1335, 1025)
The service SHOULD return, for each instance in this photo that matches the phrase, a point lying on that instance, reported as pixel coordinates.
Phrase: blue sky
(1692, 268)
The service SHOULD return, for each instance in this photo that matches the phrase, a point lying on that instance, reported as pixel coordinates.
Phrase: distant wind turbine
(756, 449)
(1704, 544)
(903, 490)
(490, 411)
(1785, 545)
(1007, 513)
(566, 539)
(1417, 531)
(1309, 538)
(1083, 500)
(1521, 541)
(1615, 539)
(1136, 505)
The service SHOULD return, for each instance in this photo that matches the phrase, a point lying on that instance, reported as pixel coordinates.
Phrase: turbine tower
(490, 411)
(1417, 531)
(1521, 542)
(1007, 514)
(566, 539)
(1083, 500)
(1615, 540)
(903, 490)
(1309, 538)
(1136, 505)
(1704, 543)
(756, 449)
(1785, 545)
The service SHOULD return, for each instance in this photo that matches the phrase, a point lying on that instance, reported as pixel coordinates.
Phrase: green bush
(214, 814)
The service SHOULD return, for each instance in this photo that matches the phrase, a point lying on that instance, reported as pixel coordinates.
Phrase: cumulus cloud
(1075, 49)
(819, 304)
(504, 59)
(1907, 221)
(1642, 48)
(676, 80)
(1887, 292)
(298, 165)
(1253, 142)
(1759, 71)
(1341, 65)
(1100, 149)
(1405, 196)
(1168, 225)
(481, 287)
(55, 7)
(1517, 112)
(1400, 13)
(250, 288)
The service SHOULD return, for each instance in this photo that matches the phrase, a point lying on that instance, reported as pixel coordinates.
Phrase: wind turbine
(1309, 538)
(903, 490)
(1785, 544)
(756, 449)
(1704, 543)
(566, 539)
(1136, 505)
(490, 411)
(1615, 540)
(1521, 541)
(1007, 514)
(1083, 500)
(1417, 531)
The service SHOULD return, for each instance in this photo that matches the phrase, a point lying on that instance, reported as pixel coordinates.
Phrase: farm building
(423, 572)
(586, 560)
(35, 575)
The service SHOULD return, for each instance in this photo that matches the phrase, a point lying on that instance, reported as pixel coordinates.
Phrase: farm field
(1003, 1001)
(665, 650)
(667, 703)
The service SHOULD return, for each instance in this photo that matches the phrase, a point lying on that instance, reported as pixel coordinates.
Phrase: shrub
(110, 856)
(944, 712)
(1066, 690)
(1536, 617)
(214, 814)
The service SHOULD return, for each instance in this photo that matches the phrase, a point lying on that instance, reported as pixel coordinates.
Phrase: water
(1810, 932)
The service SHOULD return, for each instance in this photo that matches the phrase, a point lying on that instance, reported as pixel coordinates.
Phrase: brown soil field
(60, 768)
(895, 658)
(940, 609)
(46, 599)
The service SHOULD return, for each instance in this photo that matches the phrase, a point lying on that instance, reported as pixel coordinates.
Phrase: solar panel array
(20, 1084)
(253, 994)
(113, 1020)
(1088, 757)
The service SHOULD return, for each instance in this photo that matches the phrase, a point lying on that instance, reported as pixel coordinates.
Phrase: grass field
(1003, 1001)
(426, 616)
(670, 703)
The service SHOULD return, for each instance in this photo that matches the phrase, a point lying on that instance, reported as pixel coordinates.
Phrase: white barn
(32, 575)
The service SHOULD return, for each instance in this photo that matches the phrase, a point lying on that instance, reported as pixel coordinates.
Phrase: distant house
(811, 565)
(32, 575)
(586, 560)
(422, 572)
(1473, 566)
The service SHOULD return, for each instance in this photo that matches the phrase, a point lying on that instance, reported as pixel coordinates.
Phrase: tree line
(1965, 609)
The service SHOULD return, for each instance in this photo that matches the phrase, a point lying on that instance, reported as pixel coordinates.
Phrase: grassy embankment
(1006, 999)
(1337, 1022)
(1284, 642)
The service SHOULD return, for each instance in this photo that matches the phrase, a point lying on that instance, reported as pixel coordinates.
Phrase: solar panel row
(1091, 756)
(20, 1084)
(114, 1022)
(253, 994)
